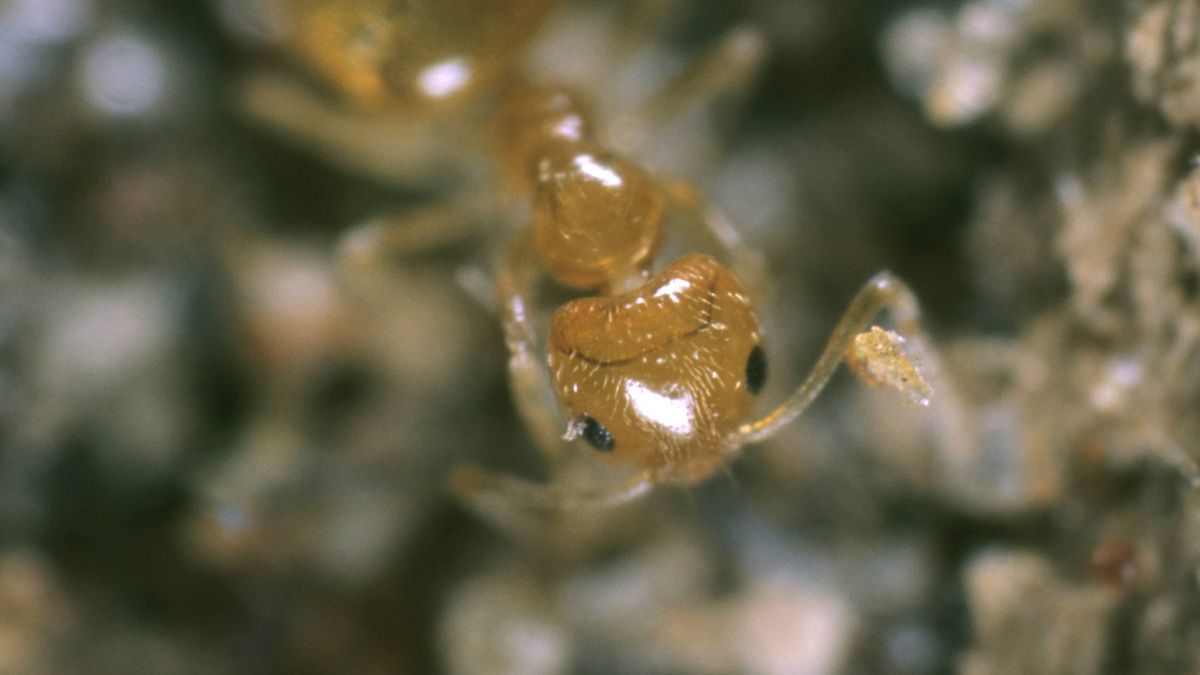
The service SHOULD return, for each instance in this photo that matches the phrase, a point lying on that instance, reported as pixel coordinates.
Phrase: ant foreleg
(529, 378)
(490, 492)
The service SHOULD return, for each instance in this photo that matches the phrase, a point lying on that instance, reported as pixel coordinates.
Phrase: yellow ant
(658, 371)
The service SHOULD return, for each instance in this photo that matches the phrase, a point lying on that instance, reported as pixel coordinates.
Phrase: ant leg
(724, 70)
(507, 500)
(364, 250)
(394, 148)
(531, 512)
(747, 262)
(720, 74)
(490, 492)
(883, 291)
(529, 377)
(641, 23)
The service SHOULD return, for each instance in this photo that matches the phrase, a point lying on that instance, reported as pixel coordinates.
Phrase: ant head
(661, 377)
(596, 217)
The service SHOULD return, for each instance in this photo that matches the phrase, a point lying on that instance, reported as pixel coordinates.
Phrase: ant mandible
(658, 372)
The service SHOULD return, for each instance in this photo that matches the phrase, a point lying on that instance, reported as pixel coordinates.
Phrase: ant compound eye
(596, 434)
(756, 370)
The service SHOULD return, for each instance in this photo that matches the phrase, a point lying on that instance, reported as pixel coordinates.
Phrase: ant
(657, 371)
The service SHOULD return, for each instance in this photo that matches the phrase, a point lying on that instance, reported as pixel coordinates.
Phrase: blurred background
(246, 333)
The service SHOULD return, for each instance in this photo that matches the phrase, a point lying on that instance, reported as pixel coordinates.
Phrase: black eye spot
(756, 370)
(596, 435)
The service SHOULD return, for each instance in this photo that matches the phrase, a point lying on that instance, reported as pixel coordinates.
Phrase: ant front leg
(527, 510)
(529, 376)
(494, 493)
(876, 355)
(513, 502)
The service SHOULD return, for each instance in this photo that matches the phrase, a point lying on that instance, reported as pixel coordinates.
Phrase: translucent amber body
(596, 216)
(397, 54)
(662, 369)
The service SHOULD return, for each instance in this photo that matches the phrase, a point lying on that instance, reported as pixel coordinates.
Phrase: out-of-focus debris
(981, 59)
(1163, 49)
(1016, 599)
(877, 357)
(505, 622)
(35, 613)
